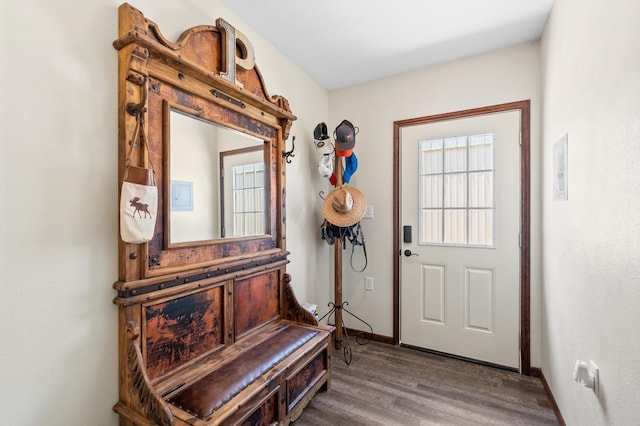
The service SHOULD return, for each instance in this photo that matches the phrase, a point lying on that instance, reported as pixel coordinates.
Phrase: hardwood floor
(389, 385)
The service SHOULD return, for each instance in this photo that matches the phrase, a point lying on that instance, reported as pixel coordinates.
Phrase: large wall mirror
(217, 181)
(215, 140)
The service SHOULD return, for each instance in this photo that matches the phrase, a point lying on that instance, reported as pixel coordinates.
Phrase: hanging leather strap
(136, 174)
(133, 142)
(358, 233)
(353, 249)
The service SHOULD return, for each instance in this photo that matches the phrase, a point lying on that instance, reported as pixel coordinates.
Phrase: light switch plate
(368, 213)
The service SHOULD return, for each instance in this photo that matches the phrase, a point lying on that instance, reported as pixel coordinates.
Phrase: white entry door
(460, 194)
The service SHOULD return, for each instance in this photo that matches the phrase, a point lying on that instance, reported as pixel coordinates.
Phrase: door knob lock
(408, 253)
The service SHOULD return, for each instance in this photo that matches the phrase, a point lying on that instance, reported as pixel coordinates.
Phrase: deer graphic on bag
(139, 207)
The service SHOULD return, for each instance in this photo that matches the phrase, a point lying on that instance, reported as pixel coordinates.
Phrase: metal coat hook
(138, 109)
(287, 154)
(321, 194)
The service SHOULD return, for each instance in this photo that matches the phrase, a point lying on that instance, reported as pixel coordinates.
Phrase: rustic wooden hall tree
(210, 331)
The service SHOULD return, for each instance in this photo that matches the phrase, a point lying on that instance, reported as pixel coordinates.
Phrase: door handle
(408, 253)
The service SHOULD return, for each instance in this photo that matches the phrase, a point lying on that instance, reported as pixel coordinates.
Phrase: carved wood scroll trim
(136, 29)
(293, 310)
(148, 402)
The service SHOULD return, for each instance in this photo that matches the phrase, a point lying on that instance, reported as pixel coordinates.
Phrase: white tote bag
(138, 197)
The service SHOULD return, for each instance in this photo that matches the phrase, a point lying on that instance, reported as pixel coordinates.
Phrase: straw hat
(344, 206)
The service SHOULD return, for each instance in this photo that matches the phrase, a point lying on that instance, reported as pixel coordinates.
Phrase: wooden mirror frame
(210, 72)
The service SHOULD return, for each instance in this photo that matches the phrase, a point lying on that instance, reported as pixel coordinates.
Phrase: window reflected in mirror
(243, 188)
(217, 177)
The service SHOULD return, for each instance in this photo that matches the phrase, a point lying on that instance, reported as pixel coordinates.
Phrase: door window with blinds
(248, 199)
(456, 181)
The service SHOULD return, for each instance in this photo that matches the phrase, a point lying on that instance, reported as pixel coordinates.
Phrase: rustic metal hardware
(194, 278)
(154, 87)
(284, 205)
(154, 260)
(286, 155)
(138, 109)
(173, 389)
(227, 98)
(136, 78)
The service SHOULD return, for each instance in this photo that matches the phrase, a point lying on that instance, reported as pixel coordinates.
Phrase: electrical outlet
(368, 283)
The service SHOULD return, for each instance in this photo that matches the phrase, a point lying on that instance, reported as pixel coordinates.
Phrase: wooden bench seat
(210, 392)
(231, 351)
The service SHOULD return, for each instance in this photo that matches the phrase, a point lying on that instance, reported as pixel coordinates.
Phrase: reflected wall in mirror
(196, 204)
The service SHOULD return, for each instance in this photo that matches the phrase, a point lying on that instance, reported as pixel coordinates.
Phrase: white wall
(502, 76)
(194, 159)
(591, 243)
(59, 198)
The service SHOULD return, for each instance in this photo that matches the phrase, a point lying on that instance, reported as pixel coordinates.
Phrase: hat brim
(353, 216)
(344, 153)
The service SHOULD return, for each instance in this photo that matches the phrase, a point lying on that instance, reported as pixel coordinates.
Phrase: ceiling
(342, 43)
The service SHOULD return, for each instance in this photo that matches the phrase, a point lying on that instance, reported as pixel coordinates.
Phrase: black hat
(345, 135)
(320, 132)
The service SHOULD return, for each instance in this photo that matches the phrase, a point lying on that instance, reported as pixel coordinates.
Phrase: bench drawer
(299, 384)
(266, 414)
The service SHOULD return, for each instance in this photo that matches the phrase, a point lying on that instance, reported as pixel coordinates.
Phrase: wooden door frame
(525, 214)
